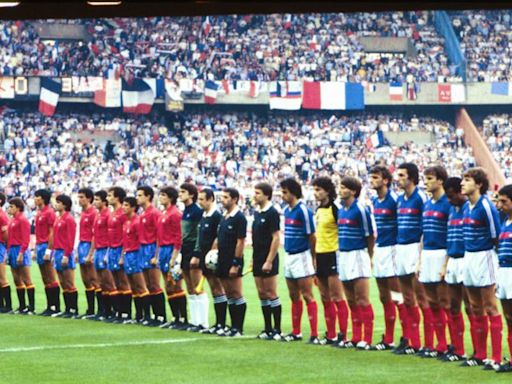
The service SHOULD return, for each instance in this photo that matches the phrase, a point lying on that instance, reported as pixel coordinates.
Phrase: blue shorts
(83, 250)
(132, 262)
(3, 252)
(147, 252)
(40, 251)
(100, 259)
(164, 257)
(12, 257)
(113, 258)
(58, 254)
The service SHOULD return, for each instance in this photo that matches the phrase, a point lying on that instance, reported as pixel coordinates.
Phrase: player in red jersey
(5, 288)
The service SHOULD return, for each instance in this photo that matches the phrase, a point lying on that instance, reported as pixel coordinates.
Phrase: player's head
(42, 197)
(350, 187)
(505, 199)
(3, 199)
(206, 198)
(100, 199)
(16, 205)
(324, 189)
(116, 195)
(475, 180)
(407, 175)
(188, 193)
(63, 203)
(380, 176)
(453, 192)
(262, 193)
(129, 205)
(230, 198)
(85, 197)
(168, 196)
(145, 195)
(290, 190)
(435, 176)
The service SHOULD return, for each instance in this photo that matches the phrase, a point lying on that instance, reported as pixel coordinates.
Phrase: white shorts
(354, 264)
(432, 264)
(384, 262)
(454, 271)
(298, 265)
(480, 268)
(504, 288)
(407, 256)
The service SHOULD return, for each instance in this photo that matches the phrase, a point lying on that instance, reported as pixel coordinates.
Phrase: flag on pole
(210, 92)
(137, 97)
(49, 96)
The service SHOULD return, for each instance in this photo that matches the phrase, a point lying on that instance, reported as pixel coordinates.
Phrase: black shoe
(265, 335)
(5, 310)
(505, 367)
(491, 365)
(382, 346)
(292, 337)
(314, 340)
(404, 343)
(472, 362)
(46, 312)
(66, 315)
(233, 332)
(327, 341)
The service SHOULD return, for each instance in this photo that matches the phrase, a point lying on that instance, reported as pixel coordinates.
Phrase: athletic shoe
(382, 346)
(182, 326)
(59, 314)
(292, 337)
(165, 325)
(429, 353)
(67, 315)
(505, 367)
(363, 346)
(349, 344)
(91, 316)
(491, 365)
(472, 362)
(327, 341)
(30, 312)
(128, 321)
(233, 332)
(175, 325)
(277, 335)
(110, 319)
(264, 335)
(5, 310)
(211, 331)
(46, 312)
(404, 343)
(224, 331)
(314, 340)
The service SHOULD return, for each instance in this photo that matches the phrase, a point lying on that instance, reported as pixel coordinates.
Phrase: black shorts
(202, 265)
(224, 265)
(257, 263)
(326, 264)
(187, 252)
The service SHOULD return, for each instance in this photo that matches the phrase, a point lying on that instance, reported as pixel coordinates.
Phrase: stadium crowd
(498, 131)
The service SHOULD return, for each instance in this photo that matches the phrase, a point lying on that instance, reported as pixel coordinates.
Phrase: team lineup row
(428, 255)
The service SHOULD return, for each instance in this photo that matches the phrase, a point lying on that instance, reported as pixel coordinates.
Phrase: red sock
(402, 315)
(342, 309)
(472, 330)
(457, 338)
(389, 319)
(313, 318)
(481, 331)
(355, 312)
(496, 337)
(330, 319)
(413, 325)
(296, 316)
(428, 328)
(509, 339)
(367, 317)
(439, 316)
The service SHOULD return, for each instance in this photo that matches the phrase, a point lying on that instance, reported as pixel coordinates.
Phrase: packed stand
(497, 130)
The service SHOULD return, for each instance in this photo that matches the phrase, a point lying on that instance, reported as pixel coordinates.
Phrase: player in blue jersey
(434, 256)
(384, 258)
(454, 268)
(356, 241)
(299, 266)
(409, 212)
(481, 232)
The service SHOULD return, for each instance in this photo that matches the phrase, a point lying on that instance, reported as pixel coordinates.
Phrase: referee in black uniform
(265, 259)
(230, 243)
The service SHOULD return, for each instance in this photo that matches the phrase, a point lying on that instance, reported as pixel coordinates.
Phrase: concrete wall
(60, 31)
(420, 138)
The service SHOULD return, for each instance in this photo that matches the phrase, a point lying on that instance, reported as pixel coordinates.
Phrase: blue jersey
(385, 219)
(481, 225)
(298, 225)
(505, 245)
(354, 226)
(410, 210)
(435, 223)
(455, 243)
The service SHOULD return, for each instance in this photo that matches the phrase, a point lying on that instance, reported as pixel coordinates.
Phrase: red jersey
(115, 228)
(131, 233)
(148, 225)
(100, 229)
(4, 224)
(19, 232)
(64, 232)
(87, 218)
(45, 220)
(169, 227)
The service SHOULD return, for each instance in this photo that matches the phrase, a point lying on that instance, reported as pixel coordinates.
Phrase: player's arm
(274, 246)
(70, 241)
(312, 244)
(4, 233)
(370, 241)
(25, 240)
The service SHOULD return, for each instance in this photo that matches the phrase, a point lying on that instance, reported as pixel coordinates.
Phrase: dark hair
(44, 194)
(412, 172)
(191, 189)
(353, 184)
(66, 200)
(233, 193)
(292, 186)
(2, 199)
(18, 203)
(208, 193)
(506, 191)
(131, 201)
(327, 185)
(384, 172)
(453, 183)
(147, 190)
(480, 176)
(266, 188)
(438, 171)
(118, 193)
(102, 195)
(171, 193)
(87, 192)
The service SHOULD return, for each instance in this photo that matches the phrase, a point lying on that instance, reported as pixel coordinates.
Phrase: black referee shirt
(231, 228)
(207, 231)
(265, 223)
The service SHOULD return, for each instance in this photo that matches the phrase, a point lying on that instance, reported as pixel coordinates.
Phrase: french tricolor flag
(332, 95)
(210, 92)
(375, 140)
(137, 97)
(49, 97)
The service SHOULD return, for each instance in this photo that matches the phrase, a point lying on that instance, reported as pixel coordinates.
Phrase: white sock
(203, 306)
(192, 300)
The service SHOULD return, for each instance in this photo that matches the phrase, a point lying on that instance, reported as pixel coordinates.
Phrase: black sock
(89, 294)
(160, 307)
(146, 306)
(66, 301)
(174, 309)
(275, 305)
(2, 298)
(241, 309)
(99, 299)
(138, 308)
(128, 304)
(220, 304)
(73, 302)
(55, 296)
(116, 304)
(182, 308)
(7, 297)
(31, 298)
(21, 297)
(267, 314)
(107, 304)
(47, 293)
(232, 312)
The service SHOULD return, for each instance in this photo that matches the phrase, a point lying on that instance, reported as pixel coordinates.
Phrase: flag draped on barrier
(332, 95)
(49, 96)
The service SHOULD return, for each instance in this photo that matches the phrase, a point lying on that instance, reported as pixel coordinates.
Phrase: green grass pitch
(34, 349)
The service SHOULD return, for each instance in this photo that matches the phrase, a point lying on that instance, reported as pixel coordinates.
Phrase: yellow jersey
(326, 229)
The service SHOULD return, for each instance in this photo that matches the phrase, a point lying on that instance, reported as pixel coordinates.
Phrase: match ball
(211, 259)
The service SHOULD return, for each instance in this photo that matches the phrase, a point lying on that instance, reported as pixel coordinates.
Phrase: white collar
(265, 208)
(211, 211)
(233, 212)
